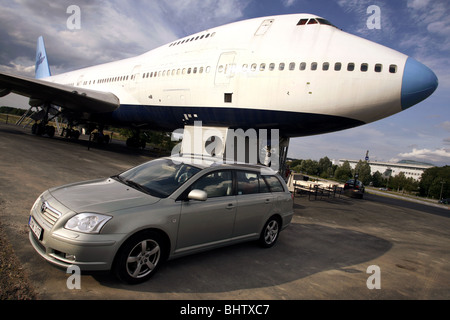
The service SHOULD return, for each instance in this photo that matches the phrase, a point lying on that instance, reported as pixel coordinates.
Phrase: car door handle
(230, 206)
(267, 201)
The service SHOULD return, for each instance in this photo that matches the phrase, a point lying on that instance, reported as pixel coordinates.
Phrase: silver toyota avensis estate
(130, 223)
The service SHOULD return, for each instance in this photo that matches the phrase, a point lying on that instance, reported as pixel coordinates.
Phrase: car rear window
(274, 184)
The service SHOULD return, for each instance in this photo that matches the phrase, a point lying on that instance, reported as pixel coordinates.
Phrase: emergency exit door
(226, 68)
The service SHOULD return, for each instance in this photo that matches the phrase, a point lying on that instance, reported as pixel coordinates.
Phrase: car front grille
(48, 213)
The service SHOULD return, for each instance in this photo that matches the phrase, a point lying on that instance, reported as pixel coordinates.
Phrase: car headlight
(87, 222)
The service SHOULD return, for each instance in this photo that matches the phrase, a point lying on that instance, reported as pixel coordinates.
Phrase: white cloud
(388, 19)
(193, 16)
(110, 30)
(445, 125)
(437, 156)
(418, 4)
(359, 6)
(427, 39)
(20, 65)
(288, 3)
(440, 27)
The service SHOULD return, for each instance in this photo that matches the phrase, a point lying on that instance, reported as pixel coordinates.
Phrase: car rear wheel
(270, 232)
(139, 258)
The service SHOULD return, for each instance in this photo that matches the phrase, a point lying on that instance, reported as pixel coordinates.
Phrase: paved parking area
(326, 253)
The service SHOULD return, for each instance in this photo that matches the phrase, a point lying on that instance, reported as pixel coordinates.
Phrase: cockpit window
(323, 21)
(303, 22)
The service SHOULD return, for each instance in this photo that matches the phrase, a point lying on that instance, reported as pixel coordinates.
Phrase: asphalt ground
(327, 253)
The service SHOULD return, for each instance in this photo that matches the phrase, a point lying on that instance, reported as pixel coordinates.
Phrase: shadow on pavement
(302, 250)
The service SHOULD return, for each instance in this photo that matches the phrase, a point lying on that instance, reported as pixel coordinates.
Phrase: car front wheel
(139, 258)
(270, 232)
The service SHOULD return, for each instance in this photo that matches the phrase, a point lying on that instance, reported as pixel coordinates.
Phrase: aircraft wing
(40, 91)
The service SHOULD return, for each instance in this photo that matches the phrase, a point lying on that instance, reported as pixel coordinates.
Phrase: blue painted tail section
(42, 68)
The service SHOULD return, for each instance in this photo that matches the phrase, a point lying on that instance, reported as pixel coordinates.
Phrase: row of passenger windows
(145, 75)
(114, 79)
(203, 36)
(364, 67)
(179, 71)
(313, 66)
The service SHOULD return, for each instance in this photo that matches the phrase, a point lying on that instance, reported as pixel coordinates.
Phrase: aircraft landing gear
(41, 129)
(70, 133)
(100, 138)
(136, 141)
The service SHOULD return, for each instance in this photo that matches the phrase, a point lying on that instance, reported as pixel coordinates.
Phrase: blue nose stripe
(418, 83)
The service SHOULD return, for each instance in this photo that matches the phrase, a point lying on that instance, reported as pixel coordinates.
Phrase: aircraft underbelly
(290, 124)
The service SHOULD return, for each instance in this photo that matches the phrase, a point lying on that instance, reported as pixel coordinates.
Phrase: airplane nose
(418, 83)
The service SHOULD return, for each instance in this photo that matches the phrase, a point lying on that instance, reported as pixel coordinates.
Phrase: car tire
(269, 234)
(140, 257)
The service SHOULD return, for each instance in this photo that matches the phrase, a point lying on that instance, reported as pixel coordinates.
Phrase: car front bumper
(64, 248)
(63, 253)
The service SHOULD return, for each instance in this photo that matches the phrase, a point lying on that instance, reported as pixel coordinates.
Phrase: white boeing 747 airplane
(296, 73)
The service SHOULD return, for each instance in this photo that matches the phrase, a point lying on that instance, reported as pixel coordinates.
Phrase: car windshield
(159, 178)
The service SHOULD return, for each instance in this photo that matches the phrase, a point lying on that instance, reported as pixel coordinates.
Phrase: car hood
(100, 196)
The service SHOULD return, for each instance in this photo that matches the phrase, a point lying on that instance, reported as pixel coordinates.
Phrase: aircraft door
(226, 68)
(135, 75)
(80, 80)
(133, 82)
(265, 26)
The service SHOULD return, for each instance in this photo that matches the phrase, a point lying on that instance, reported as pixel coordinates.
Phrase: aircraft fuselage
(295, 73)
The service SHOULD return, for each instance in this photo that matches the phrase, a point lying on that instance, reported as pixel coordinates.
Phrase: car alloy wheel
(270, 233)
(139, 258)
(143, 258)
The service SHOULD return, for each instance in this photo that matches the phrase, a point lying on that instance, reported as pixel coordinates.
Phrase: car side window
(247, 182)
(250, 182)
(216, 184)
(274, 184)
(263, 187)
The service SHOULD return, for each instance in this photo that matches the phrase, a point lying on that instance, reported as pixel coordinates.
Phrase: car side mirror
(197, 194)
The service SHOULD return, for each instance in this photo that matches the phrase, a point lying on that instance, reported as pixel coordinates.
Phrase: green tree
(343, 172)
(332, 170)
(310, 167)
(293, 164)
(401, 183)
(11, 110)
(324, 165)
(398, 182)
(434, 181)
(364, 173)
(378, 180)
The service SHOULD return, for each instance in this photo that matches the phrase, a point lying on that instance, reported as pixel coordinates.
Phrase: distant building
(411, 169)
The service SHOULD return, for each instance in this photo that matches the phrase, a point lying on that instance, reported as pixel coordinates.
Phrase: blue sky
(112, 30)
